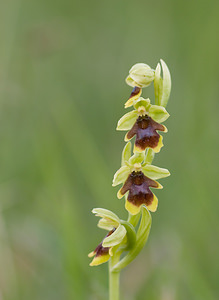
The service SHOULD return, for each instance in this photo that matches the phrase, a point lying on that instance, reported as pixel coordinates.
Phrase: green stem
(133, 219)
(141, 239)
(114, 277)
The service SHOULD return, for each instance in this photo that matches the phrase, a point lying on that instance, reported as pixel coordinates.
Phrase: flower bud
(140, 75)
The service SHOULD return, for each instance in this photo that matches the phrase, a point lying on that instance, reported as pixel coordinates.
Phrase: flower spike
(137, 176)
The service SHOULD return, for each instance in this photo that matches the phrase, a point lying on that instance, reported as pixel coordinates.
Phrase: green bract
(158, 85)
(162, 86)
(141, 239)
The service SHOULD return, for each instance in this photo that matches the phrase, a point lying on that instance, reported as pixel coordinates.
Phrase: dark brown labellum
(145, 129)
(100, 250)
(135, 92)
(138, 186)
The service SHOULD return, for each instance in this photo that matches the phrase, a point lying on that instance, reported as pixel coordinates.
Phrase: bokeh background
(62, 90)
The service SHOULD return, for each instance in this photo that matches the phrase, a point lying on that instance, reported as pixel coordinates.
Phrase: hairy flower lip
(145, 130)
(144, 122)
(138, 186)
(101, 254)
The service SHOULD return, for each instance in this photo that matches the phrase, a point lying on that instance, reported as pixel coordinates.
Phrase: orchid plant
(125, 239)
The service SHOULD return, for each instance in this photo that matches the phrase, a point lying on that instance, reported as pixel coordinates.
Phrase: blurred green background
(62, 90)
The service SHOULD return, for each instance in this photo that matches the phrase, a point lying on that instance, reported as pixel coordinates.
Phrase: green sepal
(158, 113)
(115, 238)
(142, 102)
(121, 175)
(137, 158)
(127, 121)
(126, 153)
(166, 84)
(154, 172)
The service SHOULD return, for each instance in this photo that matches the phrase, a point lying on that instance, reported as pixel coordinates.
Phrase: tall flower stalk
(125, 239)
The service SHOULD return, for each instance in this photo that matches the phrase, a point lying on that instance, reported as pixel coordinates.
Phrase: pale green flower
(116, 235)
(140, 75)
(137, 177)
(144, 122)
